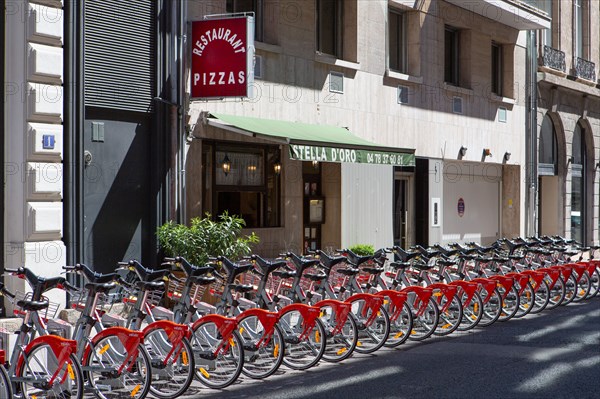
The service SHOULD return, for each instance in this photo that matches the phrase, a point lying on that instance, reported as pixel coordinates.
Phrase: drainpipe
(531, 135)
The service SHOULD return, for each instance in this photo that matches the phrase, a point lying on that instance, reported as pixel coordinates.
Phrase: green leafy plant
(362, 249)
(206, 237)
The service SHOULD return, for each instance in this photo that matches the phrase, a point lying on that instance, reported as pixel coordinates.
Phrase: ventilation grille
(502, 114)
(402, 95)
(457, 105)
(336, 82)
(258, 66)
(120, 42)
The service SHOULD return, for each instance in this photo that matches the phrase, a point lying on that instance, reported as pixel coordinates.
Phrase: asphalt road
(555, 354)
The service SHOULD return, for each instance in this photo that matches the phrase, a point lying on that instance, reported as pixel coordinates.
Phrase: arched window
(548, 149)
(578, 187)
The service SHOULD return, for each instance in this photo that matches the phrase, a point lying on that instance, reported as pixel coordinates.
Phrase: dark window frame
(451, 55)
(397, 41)
(497, 68)
(330, 45)
(257, 7)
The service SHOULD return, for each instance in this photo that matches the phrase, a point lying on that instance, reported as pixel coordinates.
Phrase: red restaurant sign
(222, 57)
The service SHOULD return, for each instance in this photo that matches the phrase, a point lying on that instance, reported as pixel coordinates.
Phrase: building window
(578, 30)
(330, 21)
(578, 186)
(241, 179)
(451, 56)
(255, 6)
(497, 69)
(397, 41)
(548, 149)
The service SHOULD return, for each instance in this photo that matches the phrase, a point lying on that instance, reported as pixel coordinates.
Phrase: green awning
(309, 142)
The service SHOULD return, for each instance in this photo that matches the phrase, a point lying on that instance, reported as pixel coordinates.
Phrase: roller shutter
(120, 43)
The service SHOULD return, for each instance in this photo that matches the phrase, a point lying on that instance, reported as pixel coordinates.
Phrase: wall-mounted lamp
(277, 166)
(570, 160)
(506, 156)
(487, 152)
(463, 151)
(315, 164)
(597, 166)
(226, 165)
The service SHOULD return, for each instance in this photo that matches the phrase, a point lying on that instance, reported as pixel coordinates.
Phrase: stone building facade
(443, 79)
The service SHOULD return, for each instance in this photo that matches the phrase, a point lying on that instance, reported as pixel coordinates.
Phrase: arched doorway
(579, 188)
(549, 183)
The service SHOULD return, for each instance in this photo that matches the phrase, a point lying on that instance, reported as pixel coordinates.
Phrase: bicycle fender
(341, 309)
(469, 288)
(175, 332)
(397, 299)
(61, 347)
(267, 319)
(130, 339)
(449, 291)
(488, 285)
(372, 302)
(522, 280)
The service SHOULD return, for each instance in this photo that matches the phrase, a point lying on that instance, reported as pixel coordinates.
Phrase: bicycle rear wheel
(304, 346)
(261, 357)
(38, 367)
(370, 337)
(172, 372)
(102, 363)
(218, 363)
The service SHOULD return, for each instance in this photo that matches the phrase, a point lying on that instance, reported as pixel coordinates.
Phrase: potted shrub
(205, 238)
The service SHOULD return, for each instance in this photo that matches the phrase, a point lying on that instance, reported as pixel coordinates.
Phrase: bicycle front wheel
(340, 342)
(400, 327)
(39, 365)
(219, 362)
(172, 368)
(584, 286)
(527, 300)
(472, 312)
(106, 376)
(425, 320)
(262, 357)
(304, 347)
(510, 304)
(542, 296)
(370, 336)
(451, 317)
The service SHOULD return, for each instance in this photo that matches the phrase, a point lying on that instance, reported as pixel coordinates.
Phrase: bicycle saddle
(241, 288)
(373, 270)
(32, 306)
(330, 261)
(400, 265)
(315, 276)
(355, 259)
(100, 287)
(348, 271)
(284, 274)
(203, 280)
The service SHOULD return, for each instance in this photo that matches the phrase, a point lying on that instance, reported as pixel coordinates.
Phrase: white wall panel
(479, 187)
(367, 197)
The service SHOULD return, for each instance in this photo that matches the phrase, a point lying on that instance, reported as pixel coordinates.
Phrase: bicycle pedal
(157, 364)
(207, 355)
(250, 347)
